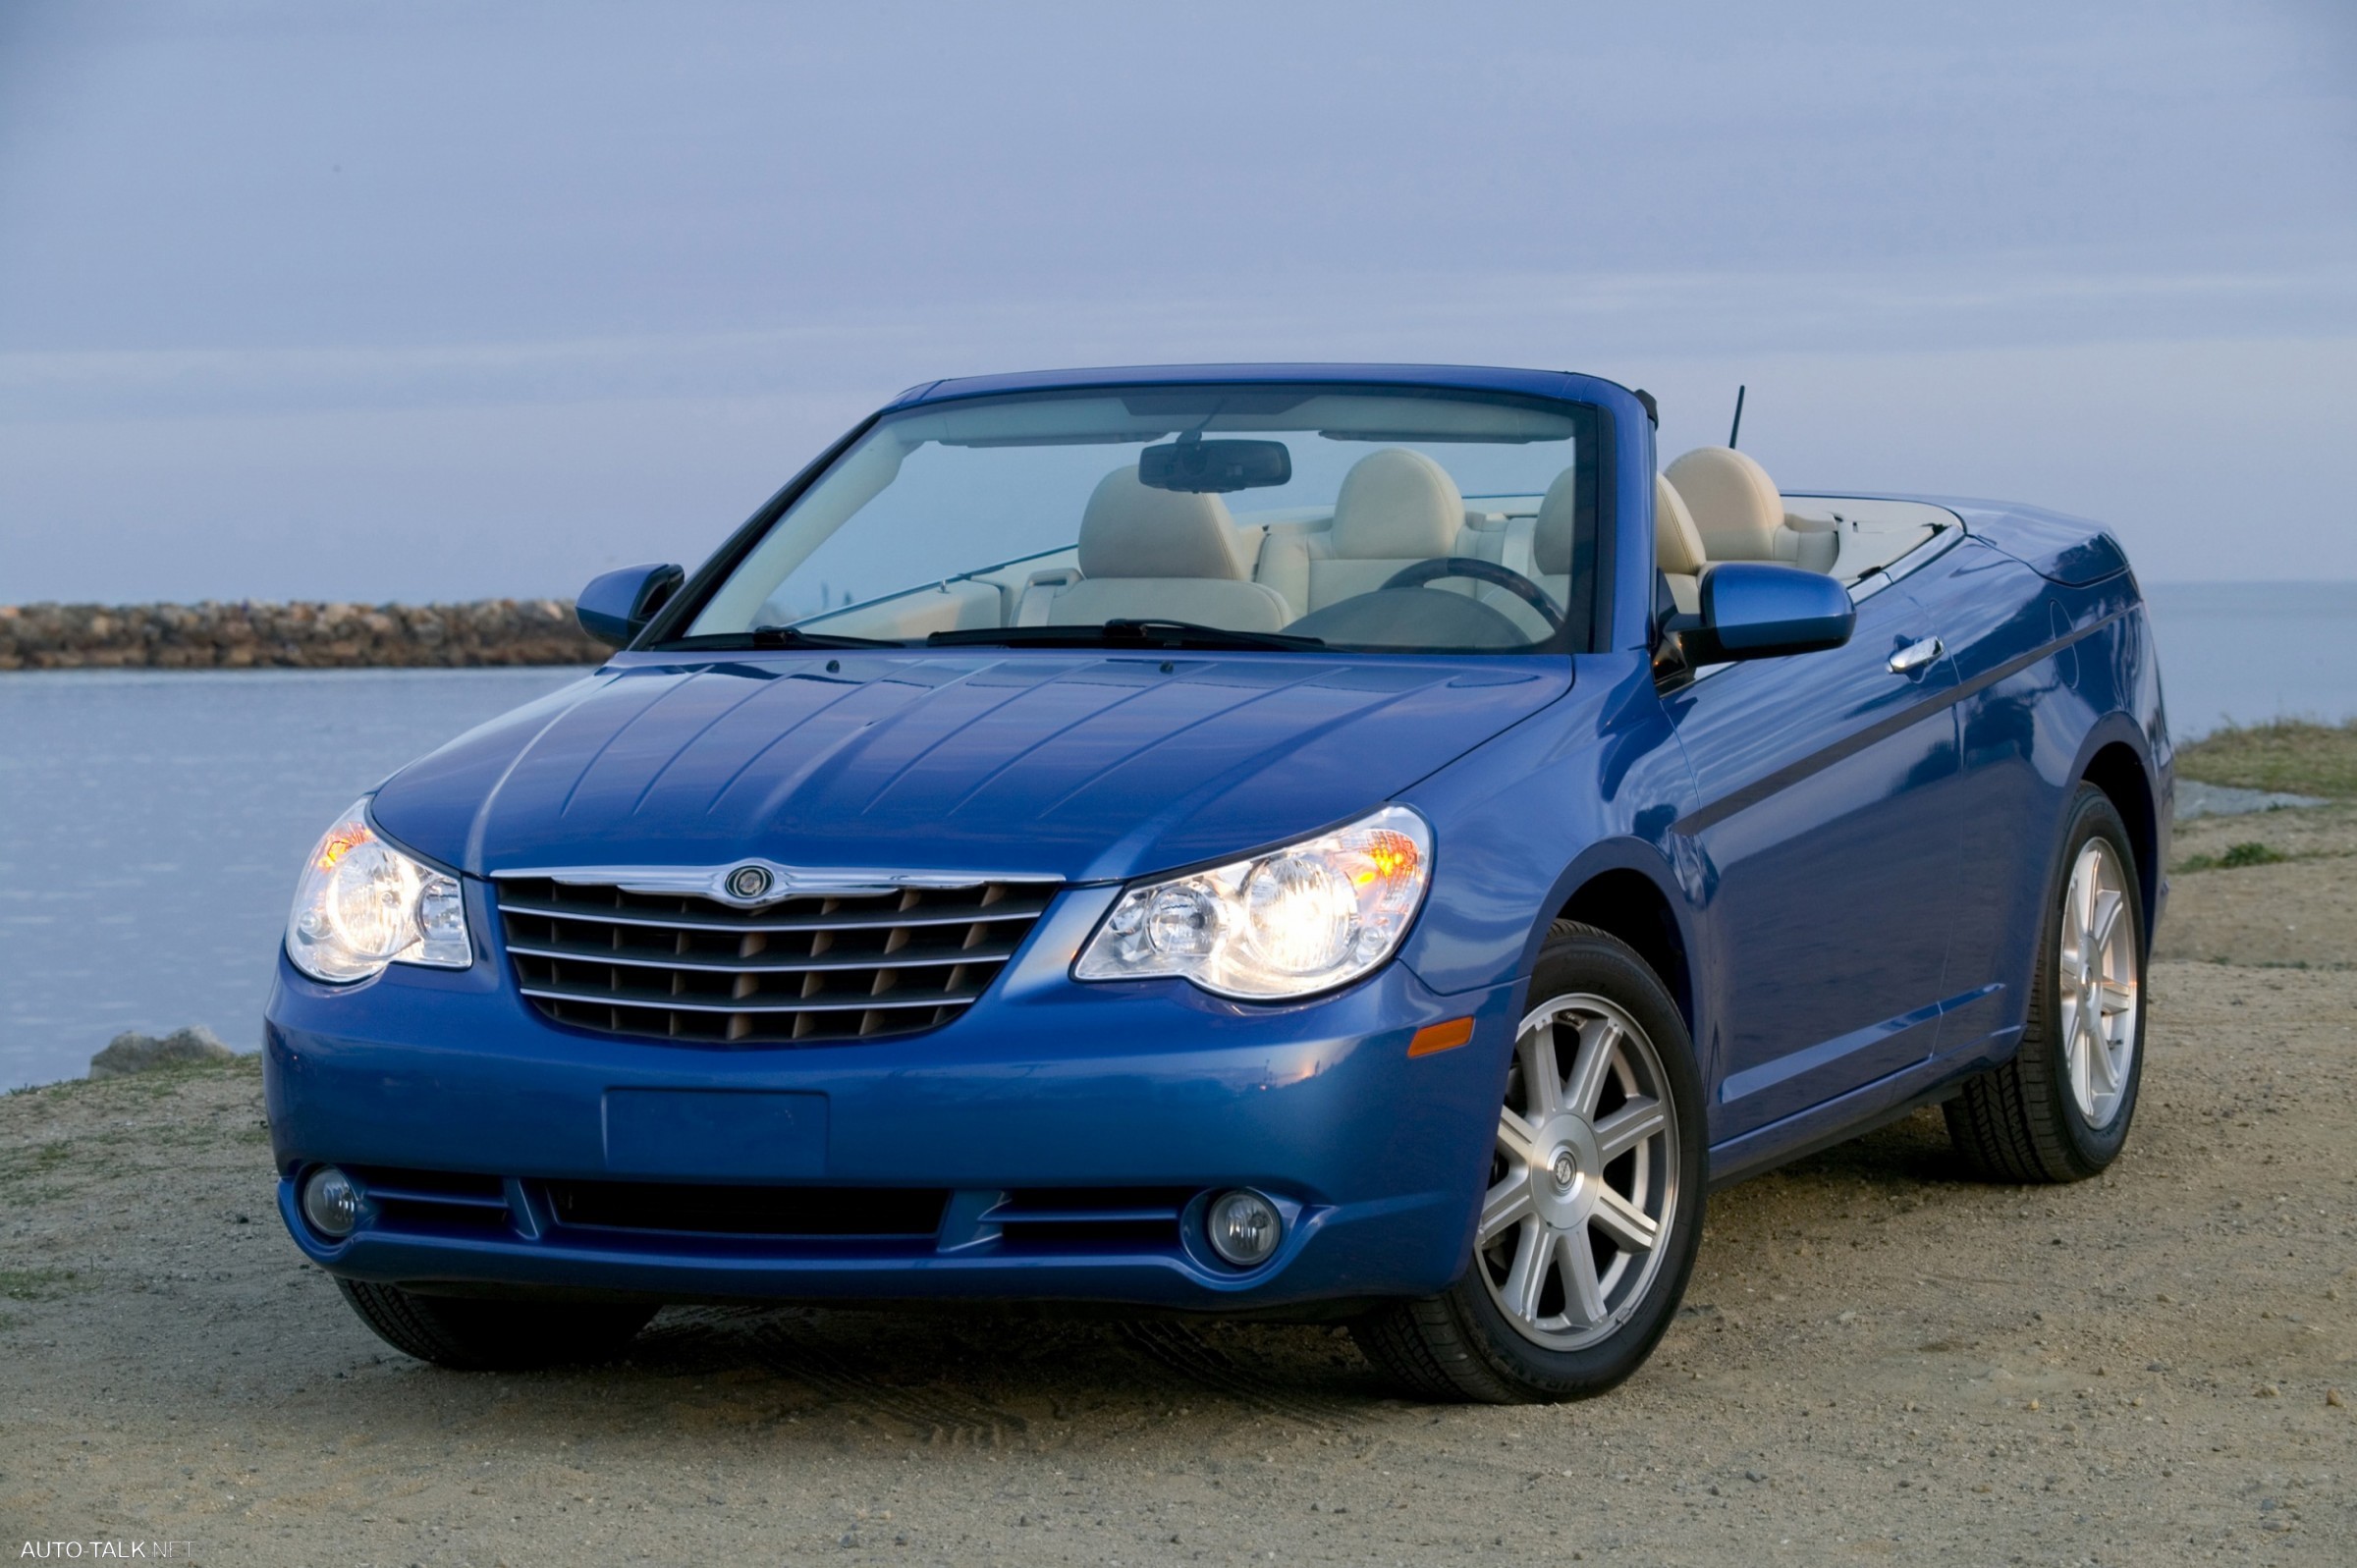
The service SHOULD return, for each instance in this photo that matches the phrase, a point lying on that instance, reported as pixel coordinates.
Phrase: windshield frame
(1588, 626)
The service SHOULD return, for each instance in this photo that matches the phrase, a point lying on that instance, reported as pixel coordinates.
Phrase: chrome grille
(813, 967)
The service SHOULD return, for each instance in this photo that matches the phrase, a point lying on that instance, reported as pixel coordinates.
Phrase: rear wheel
(477, 1334)
(1593, 1204)
(2059, 1109)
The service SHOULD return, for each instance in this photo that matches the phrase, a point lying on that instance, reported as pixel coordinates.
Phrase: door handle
(1915, 655)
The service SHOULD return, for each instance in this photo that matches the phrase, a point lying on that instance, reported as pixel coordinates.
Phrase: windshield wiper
(774, 637)
(1122, 632)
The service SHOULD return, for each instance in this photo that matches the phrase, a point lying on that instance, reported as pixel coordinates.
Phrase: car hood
(1081, 767)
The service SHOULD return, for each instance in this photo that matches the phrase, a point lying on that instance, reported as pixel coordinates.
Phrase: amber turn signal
(1441, 1036)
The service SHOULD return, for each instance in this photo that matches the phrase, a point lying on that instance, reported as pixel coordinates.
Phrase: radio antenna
(1737, 428)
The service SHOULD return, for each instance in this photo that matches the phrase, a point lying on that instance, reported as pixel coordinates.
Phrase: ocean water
(2240, 651)
(151, 823)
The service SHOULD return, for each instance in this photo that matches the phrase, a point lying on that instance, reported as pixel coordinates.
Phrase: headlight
(1306, 917)
(362, 904)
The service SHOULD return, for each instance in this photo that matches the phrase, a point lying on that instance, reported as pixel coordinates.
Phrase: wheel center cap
(1564, 1165)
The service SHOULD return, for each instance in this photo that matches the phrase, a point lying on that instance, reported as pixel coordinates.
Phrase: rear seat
(1739, 514)
(1397, 507)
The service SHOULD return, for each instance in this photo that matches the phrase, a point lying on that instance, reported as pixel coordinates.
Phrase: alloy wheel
(1584, 1179)
(2101, 990)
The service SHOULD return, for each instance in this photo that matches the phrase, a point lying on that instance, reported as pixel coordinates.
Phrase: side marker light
(1441, 1036)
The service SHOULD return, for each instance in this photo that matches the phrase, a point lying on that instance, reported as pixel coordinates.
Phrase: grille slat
(760, 962)
(1017, 908)
(749, 1004)
(816, 967)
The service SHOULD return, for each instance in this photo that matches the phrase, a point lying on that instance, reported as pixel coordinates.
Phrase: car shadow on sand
(973, 1375)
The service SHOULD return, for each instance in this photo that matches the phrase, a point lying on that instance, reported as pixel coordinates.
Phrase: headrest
(1677, 542)
(1732, 501)
(1550, 537)
(1130, 530)
(1397, 505)
(1675, 545)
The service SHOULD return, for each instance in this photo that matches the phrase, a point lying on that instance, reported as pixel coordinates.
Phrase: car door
(1826, 842)
(2008, 632)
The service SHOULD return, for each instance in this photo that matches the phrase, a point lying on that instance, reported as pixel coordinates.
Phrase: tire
(2059, 1110)
(1507, 1332)
(469, 1333)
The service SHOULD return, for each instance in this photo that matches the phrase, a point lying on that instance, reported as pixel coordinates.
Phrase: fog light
(330, 1202)
(1245, 1228)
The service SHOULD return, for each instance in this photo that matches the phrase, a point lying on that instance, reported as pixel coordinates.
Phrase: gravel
(1877, 1362)
(2196, 799)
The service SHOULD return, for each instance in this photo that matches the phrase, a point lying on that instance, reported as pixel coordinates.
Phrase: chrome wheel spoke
(2108, 905)
(1599, 1040)
(1629, 1227)
(1506, 1205)
(1526, 1279)
(1517, 1141)
(2102, 1073)
(1542, 1080)
(1583, 1292)
(2083, 889)
(1624, 1129)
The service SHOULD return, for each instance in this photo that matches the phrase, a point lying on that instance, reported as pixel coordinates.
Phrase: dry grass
(2294, 754)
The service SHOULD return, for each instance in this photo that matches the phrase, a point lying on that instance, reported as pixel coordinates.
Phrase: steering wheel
(1513, 581)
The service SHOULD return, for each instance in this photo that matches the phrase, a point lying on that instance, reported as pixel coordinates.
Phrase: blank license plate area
(726, 1135)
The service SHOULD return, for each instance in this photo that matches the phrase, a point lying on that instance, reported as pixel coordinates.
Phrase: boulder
(131, 1052)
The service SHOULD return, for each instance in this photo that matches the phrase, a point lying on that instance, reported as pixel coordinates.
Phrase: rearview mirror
(617, 605)
(1214, 466)
(1757, 610)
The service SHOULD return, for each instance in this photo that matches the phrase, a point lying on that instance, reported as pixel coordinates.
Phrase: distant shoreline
(303, 635)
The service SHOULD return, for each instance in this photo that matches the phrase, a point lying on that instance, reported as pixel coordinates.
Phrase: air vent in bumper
(803, 1213)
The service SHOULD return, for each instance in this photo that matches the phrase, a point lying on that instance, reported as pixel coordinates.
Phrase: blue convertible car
(1344, 841)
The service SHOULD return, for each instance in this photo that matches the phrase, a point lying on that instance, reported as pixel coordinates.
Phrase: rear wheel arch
(2118, 771)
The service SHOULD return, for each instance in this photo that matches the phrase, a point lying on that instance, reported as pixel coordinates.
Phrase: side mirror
(1756, 609)
(617, 605)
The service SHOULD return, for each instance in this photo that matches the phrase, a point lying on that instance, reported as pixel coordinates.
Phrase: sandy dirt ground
(2302, 911)
(1877, 1362)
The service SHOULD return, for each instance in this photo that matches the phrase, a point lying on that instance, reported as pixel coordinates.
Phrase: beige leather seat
(1738, 513)
(1676, 547)
(1551, 538)
(1395, 508)
(1155, 553)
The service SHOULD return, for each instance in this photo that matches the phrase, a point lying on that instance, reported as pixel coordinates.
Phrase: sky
(421, 300)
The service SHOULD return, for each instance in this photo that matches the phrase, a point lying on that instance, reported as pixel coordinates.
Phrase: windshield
(1369, 517)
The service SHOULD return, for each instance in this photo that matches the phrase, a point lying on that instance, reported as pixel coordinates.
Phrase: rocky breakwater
(299, 635)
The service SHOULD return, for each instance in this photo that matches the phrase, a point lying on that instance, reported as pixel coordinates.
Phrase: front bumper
(1119, 1107)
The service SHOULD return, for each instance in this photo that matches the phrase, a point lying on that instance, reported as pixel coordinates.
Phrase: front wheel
(1593, 1204)
(486, 1334)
